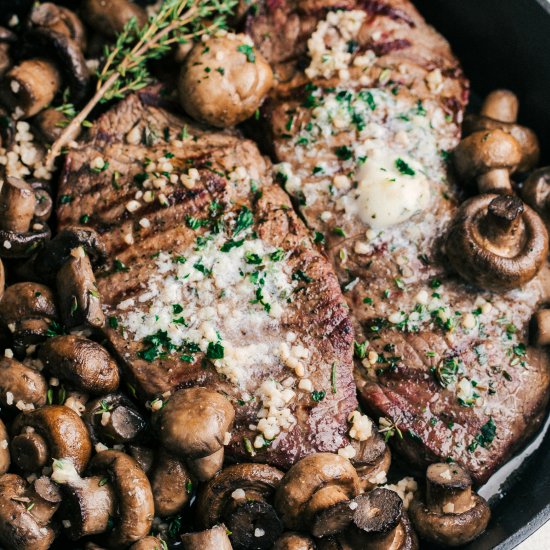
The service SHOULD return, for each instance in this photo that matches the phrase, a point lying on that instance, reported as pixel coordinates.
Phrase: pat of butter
(391, 189)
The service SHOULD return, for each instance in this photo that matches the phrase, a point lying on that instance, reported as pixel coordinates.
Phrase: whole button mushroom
(19, 527)
(488, 158)
(193, 425)
(499, 111)
(312, 485)
(496, 242)
(211, 539)
(83, 363)
(451, 513)
(52, 432)
(294, 541)
(240, 497)
(149, 543)
(223, 81)
(110, 17)
(21, 232)
(21, 387)
(536, 192)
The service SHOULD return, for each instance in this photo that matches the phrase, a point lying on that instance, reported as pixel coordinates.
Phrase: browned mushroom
(294, 541)
(171, 484)
(193, 425)
(51, 123)
(540, 328)
(83, 363)
(79, 299)
(211, 539)
(21, 387)
(19, 527)
(450, 514)
(149, 543)
(536, 192)
(240, 496)
(225, 81)
(28, 311)
(109, 18)
(2, 279)
(5, 459)
(499, 111)
(59, 19)
(488, 158)
(7, 37)
(313, 484)
(51, 432)
(496, 242)
(144, 456)
(114, 419)
(44, 204)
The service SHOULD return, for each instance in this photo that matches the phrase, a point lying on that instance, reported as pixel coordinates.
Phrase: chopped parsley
(215, 350)
(244, 220)
(318, 395)
(404, 168)
(248, 51)
(344, 152)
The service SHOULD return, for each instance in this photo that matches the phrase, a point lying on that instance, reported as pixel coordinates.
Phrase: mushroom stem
(448, 489)
(501, 105)
(17, 203)
(541, 327)
(207, 467)
(211, 539)
(503, 225)
(30, 451)
(495, 181)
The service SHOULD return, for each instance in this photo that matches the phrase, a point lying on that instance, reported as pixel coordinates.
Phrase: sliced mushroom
(27, 310)
(114, 419)
(193, 426)
(211, 539)
(540, 328)
(135, 507)
(149, 543)
(488, 157)
(82, 362)
(225, 82)
(21, 387)
(79, 299)
(58, 19)
(496, 242)
(5, 459)
(536, 192)
(51, 432)
(171, 484)
(110, 18)
(19, 528)
(294, 541)
(240, 497)
(313, 484)
(451, 514)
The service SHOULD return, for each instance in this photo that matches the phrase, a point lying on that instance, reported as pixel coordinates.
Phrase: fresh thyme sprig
(125, 67)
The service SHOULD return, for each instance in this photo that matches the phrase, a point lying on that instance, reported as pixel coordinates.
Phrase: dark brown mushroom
(58, 19)
(451, 513)
(292, 540)
(206, 467)
(19, 528)
(44, 204)
(27, 310)
(51, 432)
(79, 299)
(193, 425)
(496, 242)
(313, 484)
(536, 192)
(57, 252)
(83, 363)
(144, 456)
(240, 496)
(21, 387)
(540, 328)
(5, 459)
(51, 123)
(171, 484)
(113, 419)
(7, 38)
(211, 539)
(149, 543)
(135, 506)
(488, 158)
(2, 279)
(109, 18)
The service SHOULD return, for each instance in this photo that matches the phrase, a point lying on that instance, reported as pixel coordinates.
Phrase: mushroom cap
(4, 451)
(211, 539)
(450, 529)
(136, 508)
(372, 458)
(224, 82)
(63, 430)
(109, 18)
(294, 541)
(18, 526)
(24, 244)
(24, 384)
(23, 300)
(536, 192)
(82, 362)
(501, 105)
(59, 19)
(485, 262)
(147, 543)
(482, 152)
(215, 500)
(296, 499)
(206, 467)
(194, 421)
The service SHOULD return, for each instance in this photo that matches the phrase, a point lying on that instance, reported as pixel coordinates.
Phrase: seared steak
(369, 104)
(215, 281)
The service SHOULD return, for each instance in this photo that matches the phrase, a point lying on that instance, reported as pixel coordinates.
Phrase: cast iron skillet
(506, 43)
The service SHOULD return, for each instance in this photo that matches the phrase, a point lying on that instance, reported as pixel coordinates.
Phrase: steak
(367, 107)
(214, 279)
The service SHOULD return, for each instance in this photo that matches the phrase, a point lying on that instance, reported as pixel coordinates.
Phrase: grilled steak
(215, 281)
(368, 105)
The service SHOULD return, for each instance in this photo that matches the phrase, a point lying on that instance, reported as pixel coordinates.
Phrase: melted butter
(391, 189)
